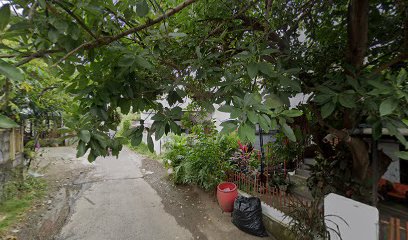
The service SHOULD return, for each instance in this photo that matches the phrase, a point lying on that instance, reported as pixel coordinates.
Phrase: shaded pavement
(130, 198)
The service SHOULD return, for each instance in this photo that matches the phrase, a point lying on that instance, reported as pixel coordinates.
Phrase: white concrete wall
(219, 117)
(299, 98)
(355, 220)
(271, 212)
(393, 172)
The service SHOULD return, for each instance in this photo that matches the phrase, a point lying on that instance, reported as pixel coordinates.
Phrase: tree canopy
(248, 56)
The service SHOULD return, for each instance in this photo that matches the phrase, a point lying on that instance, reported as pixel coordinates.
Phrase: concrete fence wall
(11, 156)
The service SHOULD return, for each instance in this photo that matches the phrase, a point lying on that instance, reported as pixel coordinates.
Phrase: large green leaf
(252, 70)
(403, 155)
(252, 117)
(10, 71)
(150, 143)
(136, 139)
(228, 126)
(126, 60)
(175, 128)
(322, 98)
(141, 61)
(6, 122)
(4, 16)
(347, 101)
(266, 68)
(273, 101)
(388, 106)
(142, 8)
(292, 113)
(81, 149)
(53, 35)
(226, 108)
(292, 84)
(246, 132)
(84, 135)
(264, 121)
(287, 130)
(160, 129)
(328, 109)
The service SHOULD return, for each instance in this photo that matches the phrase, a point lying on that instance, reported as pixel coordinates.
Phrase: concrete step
(309, 161)
(297, 179)
(302, 172)
(300, 188)
(305, 167)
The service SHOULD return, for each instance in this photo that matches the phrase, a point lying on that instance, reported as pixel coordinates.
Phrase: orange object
(397, 190)
(226, 194)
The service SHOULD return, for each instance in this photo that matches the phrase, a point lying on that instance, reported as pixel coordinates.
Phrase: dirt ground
(61, 169)
(193, 209)
(196, 210)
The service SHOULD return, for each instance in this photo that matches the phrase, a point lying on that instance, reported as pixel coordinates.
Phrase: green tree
(249, 56)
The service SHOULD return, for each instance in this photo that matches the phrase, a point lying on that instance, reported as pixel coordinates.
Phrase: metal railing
(270, 195)
(393, 229)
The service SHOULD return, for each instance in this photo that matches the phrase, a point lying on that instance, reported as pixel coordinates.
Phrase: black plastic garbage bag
(247, 216)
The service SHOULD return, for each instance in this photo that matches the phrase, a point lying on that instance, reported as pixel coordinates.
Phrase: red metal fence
(271, 196)
(393, 229)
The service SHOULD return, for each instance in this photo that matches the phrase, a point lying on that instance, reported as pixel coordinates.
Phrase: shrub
(176, 150)
(201, 158)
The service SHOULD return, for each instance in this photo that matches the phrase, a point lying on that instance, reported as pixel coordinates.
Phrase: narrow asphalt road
(118, 204)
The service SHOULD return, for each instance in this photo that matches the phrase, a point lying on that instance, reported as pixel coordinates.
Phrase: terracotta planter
(226, 194)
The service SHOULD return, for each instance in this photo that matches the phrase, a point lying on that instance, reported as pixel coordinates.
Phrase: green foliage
(19, 197)
(195, 114)
(6, 122)
(200, 158)
(307, 223)
(247, 112)
(176, 150)
(282, 150)
(143, 149)
(249, 56)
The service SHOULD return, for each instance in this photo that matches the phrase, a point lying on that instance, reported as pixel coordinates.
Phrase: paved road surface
(118, 204)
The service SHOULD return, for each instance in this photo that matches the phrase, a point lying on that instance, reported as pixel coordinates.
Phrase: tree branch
(105, 40)
(399, 58)
(79, 21)
(272, 36)
(31, 56)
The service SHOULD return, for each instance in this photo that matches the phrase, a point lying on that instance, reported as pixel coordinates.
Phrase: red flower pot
(226, 194)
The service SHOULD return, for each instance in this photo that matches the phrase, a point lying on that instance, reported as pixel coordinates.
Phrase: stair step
(303, 173)
(309, 161)
(299, 180)
(305, 167)
(300, 188)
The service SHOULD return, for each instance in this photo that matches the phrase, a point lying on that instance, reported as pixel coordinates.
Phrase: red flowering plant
(246, 158)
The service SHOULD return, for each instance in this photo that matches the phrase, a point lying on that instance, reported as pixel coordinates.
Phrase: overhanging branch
(77, 19)
(105, 40)
(32, 56)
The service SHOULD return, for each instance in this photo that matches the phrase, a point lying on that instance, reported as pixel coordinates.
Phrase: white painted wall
(393, 172)
(355, 220)
(217, 116)
(271, 212)
(299, 98)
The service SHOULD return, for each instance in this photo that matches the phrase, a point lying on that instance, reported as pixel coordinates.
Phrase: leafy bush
(306, 222)
(125, 123)
(176, 150)
(200, 158)
(285, 150)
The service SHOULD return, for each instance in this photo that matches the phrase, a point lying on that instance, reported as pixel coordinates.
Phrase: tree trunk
(357, 33)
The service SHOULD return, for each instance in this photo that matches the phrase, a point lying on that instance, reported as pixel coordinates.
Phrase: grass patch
(144, 150)
(19, 198)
